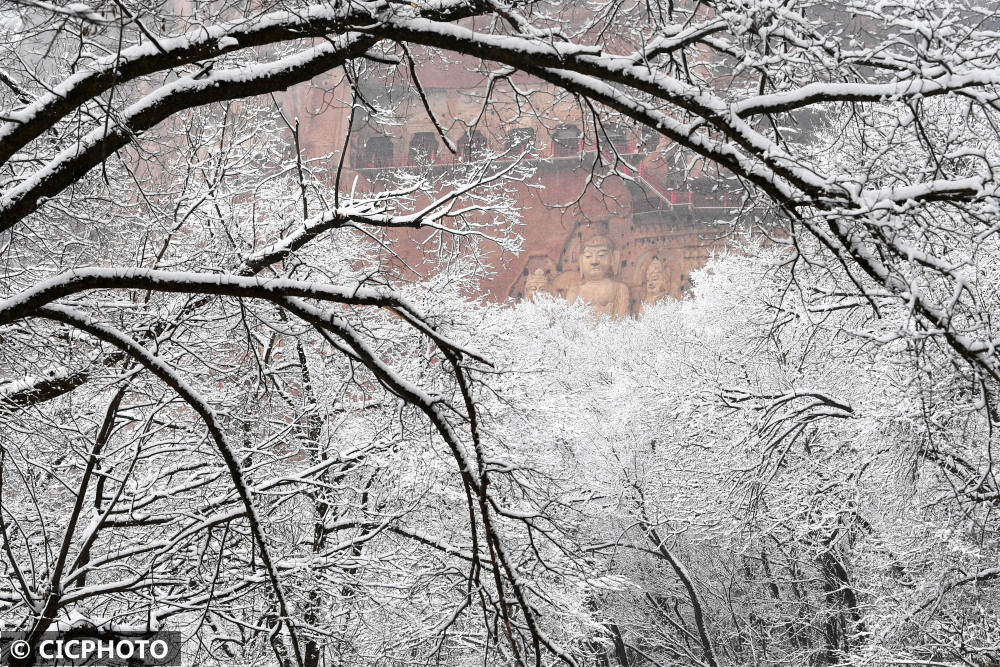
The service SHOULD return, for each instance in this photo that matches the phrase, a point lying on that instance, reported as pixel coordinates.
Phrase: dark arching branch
(157, 367)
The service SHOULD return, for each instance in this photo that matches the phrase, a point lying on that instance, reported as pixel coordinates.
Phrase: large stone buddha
(598, 287)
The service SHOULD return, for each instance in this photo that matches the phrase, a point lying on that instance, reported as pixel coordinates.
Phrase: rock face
(655, 229)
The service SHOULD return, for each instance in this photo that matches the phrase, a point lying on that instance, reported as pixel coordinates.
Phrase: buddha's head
(597, 258)
(656, 278)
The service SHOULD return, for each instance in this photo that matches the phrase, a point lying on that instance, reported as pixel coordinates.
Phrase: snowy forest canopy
(225, 410)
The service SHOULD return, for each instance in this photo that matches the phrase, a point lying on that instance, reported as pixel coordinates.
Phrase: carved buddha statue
(598, 287)
(536, 282)
(656, 282)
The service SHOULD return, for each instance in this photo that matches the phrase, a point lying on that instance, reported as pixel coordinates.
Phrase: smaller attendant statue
(536, 283)
(656, 282)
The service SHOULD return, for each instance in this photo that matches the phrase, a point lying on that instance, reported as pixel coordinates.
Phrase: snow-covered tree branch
(247, 388)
